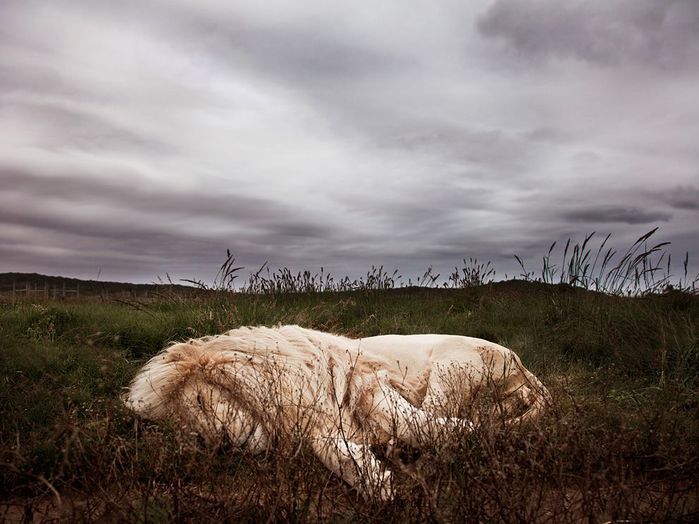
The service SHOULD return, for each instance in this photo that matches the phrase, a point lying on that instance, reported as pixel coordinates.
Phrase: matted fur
(259, 386)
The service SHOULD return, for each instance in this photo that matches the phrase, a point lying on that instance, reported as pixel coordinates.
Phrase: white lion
(254, 386)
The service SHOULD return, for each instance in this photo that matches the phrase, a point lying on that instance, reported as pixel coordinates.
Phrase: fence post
(64, 289)
(14, 286)
(77, 290)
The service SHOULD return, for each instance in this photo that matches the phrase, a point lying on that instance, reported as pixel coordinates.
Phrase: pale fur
(259, 386)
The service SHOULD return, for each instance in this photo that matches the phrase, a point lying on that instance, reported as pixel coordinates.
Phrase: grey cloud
(607, 214)
(132, 237)
(548, 134)
(136, 226)
(23, 79)
(354, 84)
(154, 134)
(124, 243)
(308, 49)
(686, 198)
(494, 148)
(142, 196)
(81, 128)
(297, 52)
(63, 243)
(618, 32)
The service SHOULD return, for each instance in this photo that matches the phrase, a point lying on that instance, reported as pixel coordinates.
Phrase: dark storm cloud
(618, 32)
(356, 84)
(149, 136)
(126, 243)
(686, 198)
(606, 214)
(127, 196)
(131, 238)
(141, 224)
(131, 233)
(130, 223)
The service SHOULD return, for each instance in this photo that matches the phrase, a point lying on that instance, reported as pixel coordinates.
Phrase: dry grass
(586, 461)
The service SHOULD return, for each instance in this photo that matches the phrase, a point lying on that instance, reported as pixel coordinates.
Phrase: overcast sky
(141, 137)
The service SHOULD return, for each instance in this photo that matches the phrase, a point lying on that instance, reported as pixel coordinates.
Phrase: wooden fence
(40, 290)
(22, 290)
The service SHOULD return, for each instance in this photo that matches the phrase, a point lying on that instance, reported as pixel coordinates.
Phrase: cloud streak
(606, 214)
(641, 33)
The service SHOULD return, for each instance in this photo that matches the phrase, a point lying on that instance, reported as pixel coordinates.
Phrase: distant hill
(35, 284)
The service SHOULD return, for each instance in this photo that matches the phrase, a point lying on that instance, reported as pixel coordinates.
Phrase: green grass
(622, 440)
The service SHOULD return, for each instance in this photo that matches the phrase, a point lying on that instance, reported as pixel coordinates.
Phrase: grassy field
(621, 441)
